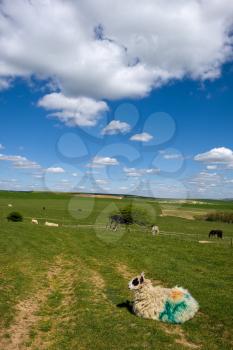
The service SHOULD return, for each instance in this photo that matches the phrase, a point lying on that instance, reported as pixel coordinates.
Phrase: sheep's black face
(136, 282)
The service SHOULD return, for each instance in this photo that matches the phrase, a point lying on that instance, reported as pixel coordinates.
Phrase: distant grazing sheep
(34, 221)
(217, 233)
(52, 224)
(172, 305)
(154, 230)
(10, 205)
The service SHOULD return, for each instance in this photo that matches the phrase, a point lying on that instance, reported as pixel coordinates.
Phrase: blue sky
(153, 123)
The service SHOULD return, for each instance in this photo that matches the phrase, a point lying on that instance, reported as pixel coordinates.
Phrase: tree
(132, 215)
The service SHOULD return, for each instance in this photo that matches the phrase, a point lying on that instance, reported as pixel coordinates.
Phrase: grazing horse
(217, 233)
(114, 221)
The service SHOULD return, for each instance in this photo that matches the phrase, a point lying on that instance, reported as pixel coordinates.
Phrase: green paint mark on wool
(171, 310)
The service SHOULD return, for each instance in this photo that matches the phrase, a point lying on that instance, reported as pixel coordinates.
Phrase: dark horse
(217, 233)
(115, 220)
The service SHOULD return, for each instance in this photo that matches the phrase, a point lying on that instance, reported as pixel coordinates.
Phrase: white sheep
(172, 305)
(154, 230)
(52, 224)
(10, 205)
(34, 221)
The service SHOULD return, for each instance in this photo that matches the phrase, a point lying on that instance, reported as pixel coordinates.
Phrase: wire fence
(191, 237)
(200, 238)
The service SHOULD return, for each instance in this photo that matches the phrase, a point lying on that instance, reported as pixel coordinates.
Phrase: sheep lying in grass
(52, 224)
(172, 305)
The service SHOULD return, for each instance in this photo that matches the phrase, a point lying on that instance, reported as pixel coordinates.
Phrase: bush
(220, 216)
(15, 216)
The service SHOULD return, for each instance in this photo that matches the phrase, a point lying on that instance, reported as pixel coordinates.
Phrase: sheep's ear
(142, 277)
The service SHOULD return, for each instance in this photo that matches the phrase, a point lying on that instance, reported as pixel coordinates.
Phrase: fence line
(191, 236)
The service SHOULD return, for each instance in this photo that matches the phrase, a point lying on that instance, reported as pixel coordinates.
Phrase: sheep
(52, 224)
(172, 305)
(34, 221)
(10, 205)
(154, 230)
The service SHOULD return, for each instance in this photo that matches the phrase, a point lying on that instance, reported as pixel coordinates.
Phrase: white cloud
(207, 175)
(136, 172)
(172, 156)
(80, 111)
(1, 147)
(221, 155)
(143, 137)
(229, 181)
(4, 84)
(116, 127)
(139, 45)
(211, 167)
(9, 180)
(101, 182)
(38, 176)
(55, 170)
(206, 182)
(20, 162)
(98, 162)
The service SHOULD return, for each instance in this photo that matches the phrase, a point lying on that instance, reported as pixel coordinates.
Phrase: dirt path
(27, 311)
(37, 312)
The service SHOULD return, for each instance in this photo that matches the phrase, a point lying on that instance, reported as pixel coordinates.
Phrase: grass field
(65, 288)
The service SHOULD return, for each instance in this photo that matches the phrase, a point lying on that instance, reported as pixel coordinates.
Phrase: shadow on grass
(126, 304)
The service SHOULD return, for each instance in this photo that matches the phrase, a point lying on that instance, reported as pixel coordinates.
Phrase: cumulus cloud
(204, 182)
(136, 172)
(172, 156)
(113, 50)
(55, 170)
(116, 127)
(143, 137)
(101, 182)
(38, 176)
(221, 155)
(212, 184)
(211, 167)
(98, 162)
(80, 111)
(20, 162)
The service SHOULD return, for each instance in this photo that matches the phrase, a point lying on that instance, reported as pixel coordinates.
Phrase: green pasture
(65, 288)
